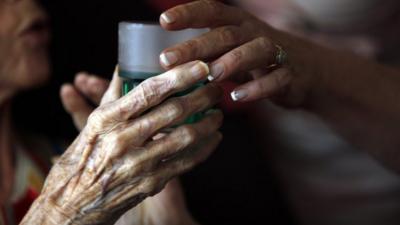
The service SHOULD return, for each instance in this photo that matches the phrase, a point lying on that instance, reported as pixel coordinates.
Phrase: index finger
(201, 14)
(150, 93)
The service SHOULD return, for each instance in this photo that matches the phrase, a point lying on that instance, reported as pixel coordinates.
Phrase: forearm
(357, 97)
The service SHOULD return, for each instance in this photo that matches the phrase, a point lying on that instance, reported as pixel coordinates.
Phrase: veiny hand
(166, 207)
(114, 163)
(237, 45)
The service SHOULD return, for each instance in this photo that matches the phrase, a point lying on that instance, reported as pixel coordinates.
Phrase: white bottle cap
(140, 45)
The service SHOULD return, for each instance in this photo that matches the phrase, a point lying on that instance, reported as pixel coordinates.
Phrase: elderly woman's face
(24, 38)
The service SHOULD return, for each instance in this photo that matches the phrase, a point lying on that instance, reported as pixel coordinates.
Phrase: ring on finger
(281, 57)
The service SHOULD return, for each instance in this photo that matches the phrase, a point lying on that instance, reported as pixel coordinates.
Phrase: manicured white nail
(167, 17)
(168, 58)
(216, 70)
(238, 95)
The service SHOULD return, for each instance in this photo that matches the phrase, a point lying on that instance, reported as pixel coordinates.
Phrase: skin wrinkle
(143, 100)
(54, 220)
(111, 166)
(115, 200)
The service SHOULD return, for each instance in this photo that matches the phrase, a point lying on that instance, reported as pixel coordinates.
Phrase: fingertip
(239, 95)
(65, 89)
(97, 85)
(67, 95)
(81, 74)
(167, 20)
(199, 69)
(205, 66)
(168, 58)
(217, 70)
(167, 17)
(81, 78)
(93, 81)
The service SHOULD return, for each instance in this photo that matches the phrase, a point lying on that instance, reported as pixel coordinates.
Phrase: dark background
(234, 187)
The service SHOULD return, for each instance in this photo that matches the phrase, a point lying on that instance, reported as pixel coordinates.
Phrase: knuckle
(187, 165)
(150, 87)
(133, 164)
(191, 46)
(229, 36)
(148, 185)
(175, 108)
(93, 116)
(190, 134)
(183, 10)
(155, 185)
(97, 119)
(169, 81)
(115, 141)
(156, 87)
(144, 127)
(125, 107)
(213, 6)
(236, 56)
(261, 89)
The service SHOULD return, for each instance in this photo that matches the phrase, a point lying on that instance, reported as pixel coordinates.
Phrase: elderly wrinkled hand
(166, 207)
(238, 46)
(115, 163)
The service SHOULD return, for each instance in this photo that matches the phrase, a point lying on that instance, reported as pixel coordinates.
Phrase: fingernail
(216, 71)
(168, 58)
(238, 95)
(167, 17)
(199, 70)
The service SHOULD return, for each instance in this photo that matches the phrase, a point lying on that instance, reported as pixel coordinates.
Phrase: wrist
(44, 211)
